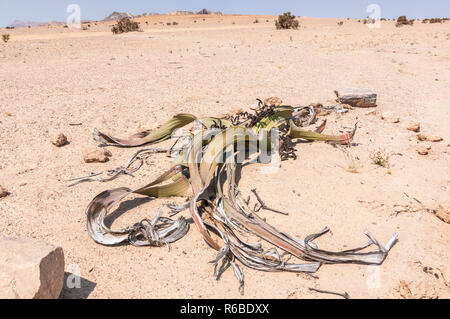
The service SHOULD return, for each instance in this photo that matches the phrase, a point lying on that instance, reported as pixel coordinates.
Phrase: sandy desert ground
(51, 77)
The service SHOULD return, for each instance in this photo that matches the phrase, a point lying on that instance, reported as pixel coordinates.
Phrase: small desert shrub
(436, 20)
(125, 25)
(402, 20)
(5, 37)
(369, 21)
(287, 21)
(340, 23)
(174, 23)
(380, 158)
(256, 21)
(169, 23)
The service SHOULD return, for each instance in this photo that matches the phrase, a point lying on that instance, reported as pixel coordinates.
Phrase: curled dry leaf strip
(205, 172)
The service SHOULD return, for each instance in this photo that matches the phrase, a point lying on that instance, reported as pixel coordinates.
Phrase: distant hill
(117, 16)
(25, 24)
(179, 12)
(204, 11)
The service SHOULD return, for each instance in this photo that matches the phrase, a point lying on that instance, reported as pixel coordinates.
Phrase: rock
(390, 116)
(429, 138)
(117, 16)
(3, 192)
(30, 269)
(59, 139)
(273, 101)
(404, 290)
(423, 150)
(443, 211)
(347, 106)
(356, 97)
(413, 126)
(96, 155)
(232, 112)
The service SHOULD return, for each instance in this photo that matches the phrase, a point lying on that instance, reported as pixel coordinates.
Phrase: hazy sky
(48, 10)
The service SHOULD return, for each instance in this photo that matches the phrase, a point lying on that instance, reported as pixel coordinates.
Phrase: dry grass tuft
(353, 164)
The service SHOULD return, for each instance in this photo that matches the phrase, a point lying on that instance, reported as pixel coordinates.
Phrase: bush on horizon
(287, 21)
(125, 25)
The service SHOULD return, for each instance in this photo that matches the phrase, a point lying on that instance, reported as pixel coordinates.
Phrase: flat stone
(429, 138)
(413, 126)
(423, 150)
(390, 117)
(357, 97)
(96, 155)
(30, 269)
(273, 101)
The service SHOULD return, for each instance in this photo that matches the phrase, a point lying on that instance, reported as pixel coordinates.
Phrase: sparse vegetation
(287, 21)
(402, 20)
(437, 20)
(256, 21)
(340, 23)
(380, 158)
(174, 23)
(125, 25)
(5, 37)
(369, 21)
